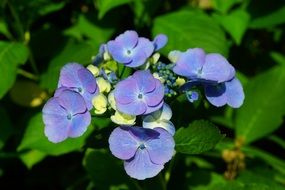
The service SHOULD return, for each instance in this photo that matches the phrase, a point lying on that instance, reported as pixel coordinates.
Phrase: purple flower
(139, 94)
(212, 71)
(196, 64)
(65, 115)
(144, 151)
(76, 77)
(130, 49)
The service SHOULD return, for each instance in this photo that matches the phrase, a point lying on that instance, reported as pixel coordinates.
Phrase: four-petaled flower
(139, 94)
(74, 76)
(133, 51)
(212, 71)
(65, 115)
(144, 151)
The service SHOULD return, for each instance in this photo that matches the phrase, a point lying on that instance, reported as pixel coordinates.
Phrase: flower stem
(27, 74)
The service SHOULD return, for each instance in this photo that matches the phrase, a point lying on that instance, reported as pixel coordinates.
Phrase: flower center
(80, 90)
(140, 96)
(69, 116)
(142, 146)
(129, 52)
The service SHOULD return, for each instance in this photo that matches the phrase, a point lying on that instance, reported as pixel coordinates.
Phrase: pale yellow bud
(111, 100)
(155, 75)
(123, 119)
(100, 104)
(104, 85)
(180, 81)
(93, 69)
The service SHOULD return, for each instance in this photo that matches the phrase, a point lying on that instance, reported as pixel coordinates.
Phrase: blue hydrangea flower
(144, 151)
(76, 77)
(212, 71)
(160, 118)
(130, 49)
(65, 115)
(196, 64)
(139, 94)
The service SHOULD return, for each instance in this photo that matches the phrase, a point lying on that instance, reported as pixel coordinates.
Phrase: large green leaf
(11, 56)
(90, 29)
(268, 21)
(105, 171)
(263, 108)
(198, 137)
(34, 138)
(189, 29)
(224, 5)
(106, 5)
(235, 23)
(72, 52)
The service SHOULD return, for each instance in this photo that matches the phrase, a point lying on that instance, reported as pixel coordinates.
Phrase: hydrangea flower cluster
(139, 98)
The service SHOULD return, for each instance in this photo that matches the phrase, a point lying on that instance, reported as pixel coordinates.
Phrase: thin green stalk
(162, 181)
(27, 74)
(21, 31)
(138, 187)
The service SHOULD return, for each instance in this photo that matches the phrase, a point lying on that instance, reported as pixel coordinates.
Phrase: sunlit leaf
(263, 109)
(189, 29)
(11, 56)
(200, 136)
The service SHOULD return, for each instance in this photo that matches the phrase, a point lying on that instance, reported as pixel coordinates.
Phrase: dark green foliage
(37, 37)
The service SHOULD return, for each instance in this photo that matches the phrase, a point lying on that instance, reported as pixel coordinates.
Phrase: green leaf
(105, 171)
(32, 157)
(4, 29)
(278, 58)
(235, 23)
(276, 163)
(268, 21)
(262, 176)
(189, 29)
(72, 52)
(5, 127)
(106, 5)
(11, 56)
(84, 28)
(263, 108)
(50, 7)
(34, 138)
(224, 5)
(200, 136)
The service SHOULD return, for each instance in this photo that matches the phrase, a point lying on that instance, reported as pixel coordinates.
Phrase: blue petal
(87, 80)
(141, 52)
(161, 149)
(126, 91)
(117, 50)
(72, 101)
(141, 167)
(190, 63)
(145, 81)
(79, 124)
(217, 68)
(128, 39)
(68, 75)
(122, 143)
(216, 94)
(234, 93)
(159, 41)
(133, 108)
